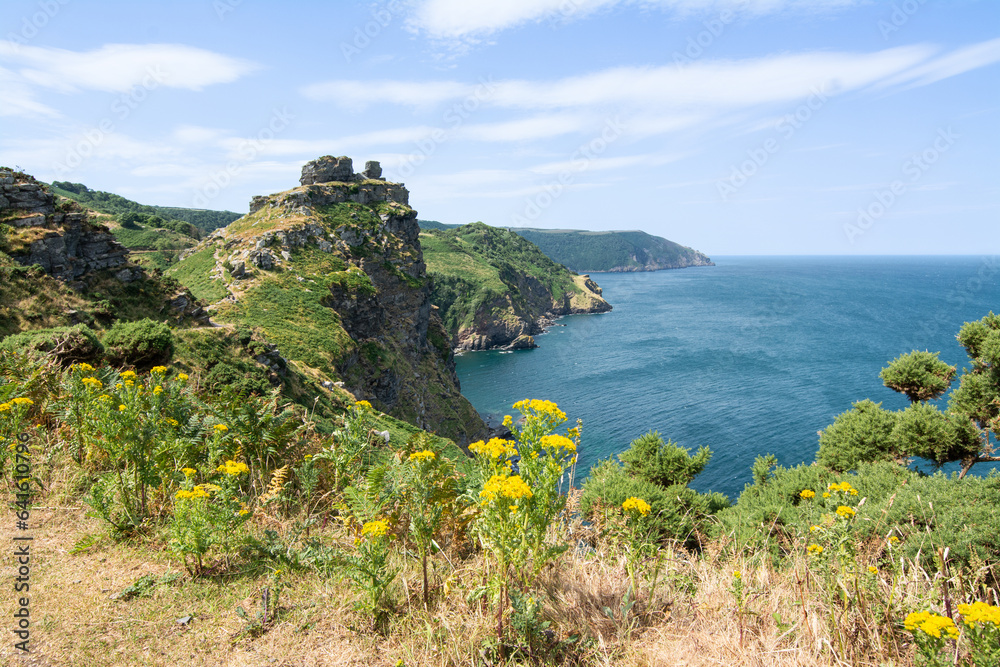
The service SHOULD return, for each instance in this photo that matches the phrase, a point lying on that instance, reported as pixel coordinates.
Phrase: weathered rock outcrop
(333, 273)
(64, 243)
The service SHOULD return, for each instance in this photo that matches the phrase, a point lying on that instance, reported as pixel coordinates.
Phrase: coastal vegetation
(589, 252)
(492, 286)
(230, 506)
(224, 494)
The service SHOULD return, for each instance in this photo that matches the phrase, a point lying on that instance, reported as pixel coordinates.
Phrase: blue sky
(732, 126)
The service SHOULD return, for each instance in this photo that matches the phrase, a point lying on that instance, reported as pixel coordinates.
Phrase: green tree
(919, 375)
(965, 432)
(977, 396)
(863, 433)
(665, 463)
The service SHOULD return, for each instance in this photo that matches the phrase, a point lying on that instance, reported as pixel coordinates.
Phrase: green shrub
(863, 433)
(245, 379)
(143, 343)
(925, 512)
(677, 512)
(923, 430)
(919, 375)
(663, 463)
(67, 344)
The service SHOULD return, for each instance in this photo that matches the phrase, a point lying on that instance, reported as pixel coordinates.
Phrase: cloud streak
(119, 67)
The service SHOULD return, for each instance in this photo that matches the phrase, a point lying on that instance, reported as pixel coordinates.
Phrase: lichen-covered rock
(373, 170)
(327, 169)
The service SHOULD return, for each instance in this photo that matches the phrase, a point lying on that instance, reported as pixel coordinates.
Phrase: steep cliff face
(497, 290)
(333, 274)
(64, 243)
(85, 275)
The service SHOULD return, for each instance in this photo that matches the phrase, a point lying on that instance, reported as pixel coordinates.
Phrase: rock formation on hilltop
(332, 272)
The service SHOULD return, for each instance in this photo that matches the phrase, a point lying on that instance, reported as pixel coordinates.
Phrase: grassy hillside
(112, 204)
(491, 283)
(343, 298)
(587, 252)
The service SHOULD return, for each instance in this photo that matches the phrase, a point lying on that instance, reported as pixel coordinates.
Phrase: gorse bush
(142, 344)
(863, 433)
(78, 343)
(657, 472)
(664, 463)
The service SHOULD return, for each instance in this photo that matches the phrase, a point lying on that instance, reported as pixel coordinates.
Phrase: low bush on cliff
(142, 343)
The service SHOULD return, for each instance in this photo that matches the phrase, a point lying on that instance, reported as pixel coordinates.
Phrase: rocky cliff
(86, 271)
(332, 272)
(63, 242)
(497, 290)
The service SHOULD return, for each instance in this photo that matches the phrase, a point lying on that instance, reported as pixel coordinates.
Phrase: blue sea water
(752, 356)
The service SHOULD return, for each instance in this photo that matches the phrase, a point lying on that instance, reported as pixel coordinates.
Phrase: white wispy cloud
(715, 84)
(360, 94)
(464, 20)
(948, 65)
(120, 67)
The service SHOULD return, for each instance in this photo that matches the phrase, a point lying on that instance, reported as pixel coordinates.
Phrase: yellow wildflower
(376, 528)
(826, 494)
(157, 390)
(189, 472)
(196, 492)
(92, 383)
(872, 569)
(84, 367)
(426, 455)
(557, 442)
(509, 487)
(979, 612)
(21, 400)
(233, 468)
(363, 405)
(173, 422)
(128, 375)
(220, 428)
(129, 383)
(637, 504)
(496, 448)
(158, 370)
(931, 624)
(508, 421)
(4, 407)
(893, 540)
(813, 529)
(737, 574)
(844, 487)
(244, 512)
(845, 511)
(182, 377)
(807, 493)
(121, 407)
(545, 409)
(815, 549)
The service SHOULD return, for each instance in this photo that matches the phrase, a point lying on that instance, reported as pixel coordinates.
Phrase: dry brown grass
(692, 620)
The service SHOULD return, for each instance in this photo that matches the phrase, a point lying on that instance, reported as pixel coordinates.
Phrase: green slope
(112, 204)
(588, 252)
(492, 286)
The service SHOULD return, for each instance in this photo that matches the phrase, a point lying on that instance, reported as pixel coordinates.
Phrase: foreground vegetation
(224, 528)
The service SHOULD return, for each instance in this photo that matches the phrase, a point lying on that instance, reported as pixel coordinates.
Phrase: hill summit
(333, 274)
